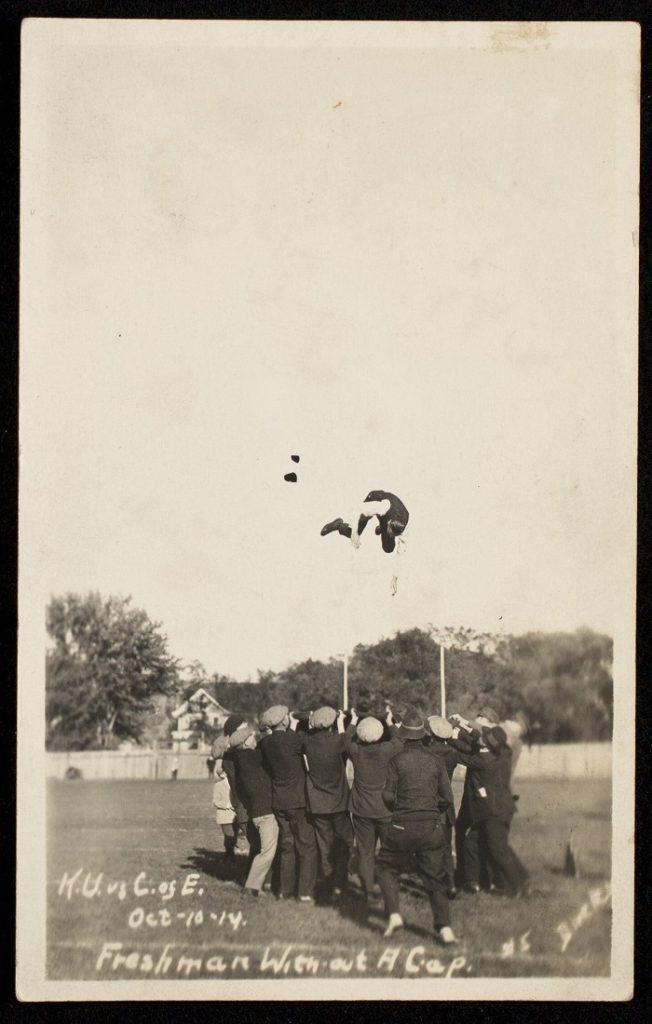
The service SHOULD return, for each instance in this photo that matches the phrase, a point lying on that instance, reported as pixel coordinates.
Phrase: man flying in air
(392, 518)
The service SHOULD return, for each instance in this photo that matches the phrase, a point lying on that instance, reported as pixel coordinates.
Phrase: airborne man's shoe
(331, 527)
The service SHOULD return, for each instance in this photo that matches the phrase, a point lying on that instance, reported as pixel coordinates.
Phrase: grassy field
(137, 888)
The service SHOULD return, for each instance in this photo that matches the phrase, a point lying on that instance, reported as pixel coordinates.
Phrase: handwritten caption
(597, 898)
(176, 903)
(114, 956)
(89, 886)
(161, 904)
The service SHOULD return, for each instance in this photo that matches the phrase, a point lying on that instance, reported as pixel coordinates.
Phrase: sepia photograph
(328, 415)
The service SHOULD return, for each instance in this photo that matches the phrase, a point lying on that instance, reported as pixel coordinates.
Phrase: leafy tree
(405, 670)
(107, 663)
(109, 676)
(562, 681)
(240, 698)
(310, 684)
(158, 722)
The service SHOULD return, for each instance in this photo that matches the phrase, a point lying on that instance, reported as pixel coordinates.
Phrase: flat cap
(273, 716)
(439, 727)
(240, 735)
(323, 718)
(369, 730)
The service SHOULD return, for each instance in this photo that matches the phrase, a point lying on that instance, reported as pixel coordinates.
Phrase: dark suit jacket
(485, 793)
(449, 758)
(417, 787)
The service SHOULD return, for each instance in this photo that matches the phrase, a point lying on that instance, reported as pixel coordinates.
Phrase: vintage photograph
(328, 421)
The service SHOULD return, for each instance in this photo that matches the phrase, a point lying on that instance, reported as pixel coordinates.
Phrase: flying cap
(369, 730)
(273, 716)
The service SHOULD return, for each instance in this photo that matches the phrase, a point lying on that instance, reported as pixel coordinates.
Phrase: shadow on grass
(354, 908)
(215, 864)
(588, 876)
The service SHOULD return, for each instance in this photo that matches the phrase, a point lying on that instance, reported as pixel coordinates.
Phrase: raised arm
(481, 759)
(392, 728)
(349, 733)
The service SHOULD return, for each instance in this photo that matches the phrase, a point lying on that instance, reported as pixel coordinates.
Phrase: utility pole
(345, 683)
(442, 681)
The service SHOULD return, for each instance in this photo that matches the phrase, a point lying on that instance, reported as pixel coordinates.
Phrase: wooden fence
(546, 761)
(129, 764)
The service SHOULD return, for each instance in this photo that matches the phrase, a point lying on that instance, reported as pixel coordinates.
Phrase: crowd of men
(319, 800)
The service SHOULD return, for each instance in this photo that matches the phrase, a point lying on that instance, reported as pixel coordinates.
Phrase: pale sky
(406, 264)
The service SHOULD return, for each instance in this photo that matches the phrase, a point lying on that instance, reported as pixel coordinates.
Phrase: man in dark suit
(439, 730)
(487, 808)
(514, 881)
(370, 754)
(282, 751)
(324, 751)
(417, 790)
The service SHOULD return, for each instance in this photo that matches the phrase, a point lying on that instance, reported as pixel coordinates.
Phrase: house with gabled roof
(200, 710)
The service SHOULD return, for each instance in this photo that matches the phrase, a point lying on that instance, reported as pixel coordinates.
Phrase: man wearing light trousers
(255, 790)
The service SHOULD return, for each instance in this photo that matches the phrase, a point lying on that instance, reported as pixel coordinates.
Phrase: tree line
(110, 677)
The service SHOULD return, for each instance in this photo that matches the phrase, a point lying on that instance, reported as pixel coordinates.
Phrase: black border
(11, 14)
